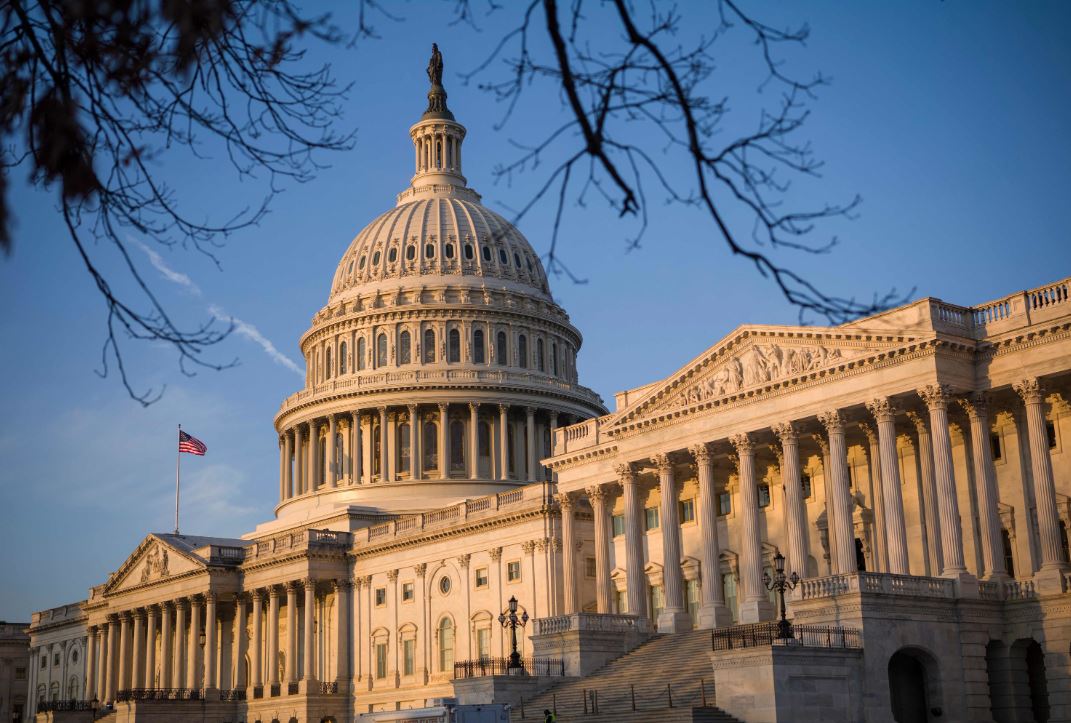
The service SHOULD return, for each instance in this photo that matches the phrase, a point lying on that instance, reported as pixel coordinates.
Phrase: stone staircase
(666, 677)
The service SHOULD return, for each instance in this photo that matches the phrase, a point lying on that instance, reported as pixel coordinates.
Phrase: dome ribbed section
(438, 236)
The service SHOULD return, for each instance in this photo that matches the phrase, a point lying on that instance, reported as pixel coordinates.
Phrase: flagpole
(178, 459)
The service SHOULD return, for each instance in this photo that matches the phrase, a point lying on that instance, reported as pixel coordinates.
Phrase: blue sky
(949, 119)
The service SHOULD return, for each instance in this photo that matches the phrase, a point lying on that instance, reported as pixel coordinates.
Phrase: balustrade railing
(598, 622)
(57, 706)
(484, 667)
(144, 694)
(875, 582)
(763, 634)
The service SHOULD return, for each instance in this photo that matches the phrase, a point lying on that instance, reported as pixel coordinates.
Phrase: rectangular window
(728, 586)
(621, 602)
(805, 483)
(618, 524)
(725, 503)
(687, 510)
(656, 600)
(764, 495)
(994, 446)
(381, 660)
(408, 656)
(691, 600)
(589, 567)
(651, 518)
(483, 643)
(55, 659)
(1050, 432)
(513, 571)
(381, 596)
(481, 577)
(44, 661)
(408, 592)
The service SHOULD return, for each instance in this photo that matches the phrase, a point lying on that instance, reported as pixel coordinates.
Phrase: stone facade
(13, 671)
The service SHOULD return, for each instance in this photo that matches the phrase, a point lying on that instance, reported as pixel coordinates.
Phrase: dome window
(429, 250)
(342, 349)
(478, 355)
(361, 264)
(349, 269)
(362, 351)
(392, 255)
(522, 351)
(381, 351)
(541, 363)
(517, 259)
(410, 252)
(502, 257)
(554, 358)
(375, 259)
(501, 352)
(405, 354)
(429, 346)
(469, 253)
(487, 254)
(449, 251)
(454, 347)
(530, 265)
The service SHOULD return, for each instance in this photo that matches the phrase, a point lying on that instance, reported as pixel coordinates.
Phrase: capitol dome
(440, 367)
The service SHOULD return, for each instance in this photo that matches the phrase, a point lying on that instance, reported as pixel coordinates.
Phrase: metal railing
(231, 695)
(621, 699)
(763, 634)
(139, 694)
(51, 706)
(484, 667)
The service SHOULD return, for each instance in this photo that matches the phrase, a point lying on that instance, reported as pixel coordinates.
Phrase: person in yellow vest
(549, 717)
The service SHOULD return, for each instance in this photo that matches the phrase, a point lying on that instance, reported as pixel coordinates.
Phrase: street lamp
(512, 621)
(780, 583)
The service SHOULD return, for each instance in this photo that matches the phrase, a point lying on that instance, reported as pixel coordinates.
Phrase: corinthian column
(272, 658)
(565, 502)
(636, 587)
(288, 464)
(1044, 488)
(713, 613)
(986, 481)
(166, 648)
(415, 457)
(674, 617)
(309, 671)
(598, 496)
(241, 642)
(194, 642)
(331, 469)
(929, 495)
(179, 670)
(530, 442)
(936, 397)
(342, 629)
(444, 441)
(150, 648)
(137, 661)
(503, 440)
(299, 467)
(283, 447)
(893, 502)
(257, 652)
(881, 545)
(312, 473)
(844, 554)
(357, 448)
(112, 643)
(122, 656)
(474, 440)
(291, 632)
(210, 640)
(756, 606)
(796, 515)
(91, 663)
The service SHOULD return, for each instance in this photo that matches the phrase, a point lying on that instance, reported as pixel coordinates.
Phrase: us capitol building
(913, 469)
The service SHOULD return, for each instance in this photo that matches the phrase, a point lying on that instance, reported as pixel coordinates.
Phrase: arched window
(541, 363)
(376, 449)
(454, 346)
(457, 446)
(405, 353)
(392, 255)
(327, 364)
(517, 259)
(449, 251)
(485, 440)
(478, 356)
(501, 352)
(438, 154)
(403, 448)
(342, 358)
(361, 264)
(446, 646)
(72, 688)
(522, 351)
(381, 351)
(468, 252)
(362, 353)
(429, 346)
(554, 357)
(502, 257)
(375, 259)
(429, 250)
(431, 446)
(410, 252)
(486, 253)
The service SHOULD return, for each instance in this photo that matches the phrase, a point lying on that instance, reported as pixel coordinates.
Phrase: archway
(908, 687)
(1039, 689)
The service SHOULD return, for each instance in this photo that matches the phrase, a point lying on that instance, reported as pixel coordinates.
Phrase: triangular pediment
(754, 357)
(153, 560)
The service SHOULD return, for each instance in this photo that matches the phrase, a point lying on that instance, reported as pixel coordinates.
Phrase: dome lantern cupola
(437, 140)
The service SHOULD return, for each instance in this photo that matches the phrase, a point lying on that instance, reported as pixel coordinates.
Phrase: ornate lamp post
(780, 583)
(512, 621)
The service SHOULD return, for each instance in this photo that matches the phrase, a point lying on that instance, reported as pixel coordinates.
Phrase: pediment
(755, 357)
(153, 560)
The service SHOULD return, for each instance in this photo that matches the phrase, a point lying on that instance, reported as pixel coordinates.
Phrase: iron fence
(132, 694)
(762, 634)
(49, 706)
(483, 667)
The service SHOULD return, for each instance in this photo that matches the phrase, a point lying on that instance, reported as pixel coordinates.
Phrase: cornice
(468, 528)
(591, 454)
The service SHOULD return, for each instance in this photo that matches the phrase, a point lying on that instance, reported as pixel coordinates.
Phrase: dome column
(474, 440)
(297, 474)
(444, 469)
(330, 468)
(356, 448)
(384, 475)
(503, 440)
(530, 442)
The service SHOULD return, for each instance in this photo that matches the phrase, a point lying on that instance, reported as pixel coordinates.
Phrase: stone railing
(477, 508)
(578, 436)
(1010, 312)
(300, 540)
(1007, 590)
(56, 615)
(594, 622)
(875, 583)
(365, 381)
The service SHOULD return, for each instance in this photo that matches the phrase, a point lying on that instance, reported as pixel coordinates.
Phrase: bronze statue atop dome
(435, 66)
(437, 94)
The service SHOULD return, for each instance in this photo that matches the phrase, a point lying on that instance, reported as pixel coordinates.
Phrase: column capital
(832, 421)
(564, 500)
(743, 444)
(662, 462)
(342, 585)
(786, 432)
(936, 396)
(503, 408)
(976, 405)
(496, 554)
(822, 444)
(530, 411)
(412, 409)
(474, 406)
(464, 560)
(392, 575)
(211, 596)
(181, 603)
(309, 582)
(882, 409)
(382, 409)
(124, 616)
(421, 569)
(871, 435)
(274, 592)
(442, 407)
(596, 493)
(139, 614)
(292, 587)
(528, 547)
(256, 594)
(626, 473)
(1030, 390)
(918, 421)
(700, 452)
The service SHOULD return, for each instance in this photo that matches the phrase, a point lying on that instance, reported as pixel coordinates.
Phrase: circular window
(486, 253)
(502, 256)
(392, 255)
(375, 259)
(468, 252)
(444, 585)
(449, 251)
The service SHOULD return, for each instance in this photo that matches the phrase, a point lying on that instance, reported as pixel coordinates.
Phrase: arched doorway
(1039, 689)
(907, 688)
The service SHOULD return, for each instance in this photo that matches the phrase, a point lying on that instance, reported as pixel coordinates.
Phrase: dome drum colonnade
(439, 348)
(159, 647)
(889, 553)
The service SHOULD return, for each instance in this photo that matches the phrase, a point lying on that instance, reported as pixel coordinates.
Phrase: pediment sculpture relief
(155, 564)
(760, 364)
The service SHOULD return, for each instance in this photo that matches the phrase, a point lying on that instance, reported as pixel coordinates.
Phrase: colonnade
(415, 441)
(891, 548)
(122, 652)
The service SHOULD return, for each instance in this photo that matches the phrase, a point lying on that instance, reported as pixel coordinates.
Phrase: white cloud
(242, 328)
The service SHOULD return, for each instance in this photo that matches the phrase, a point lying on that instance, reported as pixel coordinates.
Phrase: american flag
(189, 444)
